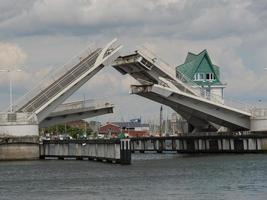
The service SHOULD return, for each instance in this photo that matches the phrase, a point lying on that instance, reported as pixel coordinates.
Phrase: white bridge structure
(77, 110)
(43, 106)
(159, 83)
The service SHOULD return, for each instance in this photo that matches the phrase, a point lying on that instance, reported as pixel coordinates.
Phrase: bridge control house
(206, 76)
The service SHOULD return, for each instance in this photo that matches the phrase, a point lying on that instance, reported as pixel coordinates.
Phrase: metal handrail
(188, 83)
(54, 86)
(54, 74)
(217, 99)
(199, 91)
(18, 118)
(156, 60)
(259, 112)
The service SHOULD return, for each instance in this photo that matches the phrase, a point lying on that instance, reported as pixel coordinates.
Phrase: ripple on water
(151, 176)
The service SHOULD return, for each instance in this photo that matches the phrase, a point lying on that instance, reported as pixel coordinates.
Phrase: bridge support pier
(204, 144)
(19, 136)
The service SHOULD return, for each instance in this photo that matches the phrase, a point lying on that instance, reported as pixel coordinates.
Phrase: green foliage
(72, 131)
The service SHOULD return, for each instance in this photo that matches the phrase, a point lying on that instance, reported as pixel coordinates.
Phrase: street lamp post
(10, 86)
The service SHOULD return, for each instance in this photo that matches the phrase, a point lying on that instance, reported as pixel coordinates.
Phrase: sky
(40, 35)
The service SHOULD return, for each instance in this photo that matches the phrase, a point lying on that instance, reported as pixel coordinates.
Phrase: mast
(160, 122)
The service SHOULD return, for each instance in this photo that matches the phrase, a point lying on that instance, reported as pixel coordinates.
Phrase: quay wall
(19, 148)
(113, 150)
(202, 144)
(19, 136)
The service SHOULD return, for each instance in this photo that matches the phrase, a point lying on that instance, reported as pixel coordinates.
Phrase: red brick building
(110, 128)
(115, 129)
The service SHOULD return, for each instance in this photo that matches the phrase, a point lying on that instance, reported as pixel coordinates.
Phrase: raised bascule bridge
(44, 104)
(159, 82)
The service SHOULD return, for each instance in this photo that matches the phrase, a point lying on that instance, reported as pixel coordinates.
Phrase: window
(210, 76)
(195, 77)
(199, 77)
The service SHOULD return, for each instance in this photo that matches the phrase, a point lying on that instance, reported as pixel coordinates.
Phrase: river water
(151, 176)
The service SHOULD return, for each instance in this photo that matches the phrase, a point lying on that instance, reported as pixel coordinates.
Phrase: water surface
(151, 176)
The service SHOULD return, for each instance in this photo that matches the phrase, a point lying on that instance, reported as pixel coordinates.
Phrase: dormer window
(199, 77)
(204, 77)
(210, 77)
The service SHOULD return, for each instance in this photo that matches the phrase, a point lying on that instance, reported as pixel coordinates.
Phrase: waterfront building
(199, 69)
(132, 129)
(109, 129)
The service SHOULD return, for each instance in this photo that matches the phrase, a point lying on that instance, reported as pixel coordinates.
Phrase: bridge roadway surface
(63, 82)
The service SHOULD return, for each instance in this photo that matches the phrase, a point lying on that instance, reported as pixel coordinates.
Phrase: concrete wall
(19, 148)
(264, 144)
(92, 149)
(202, 144)
(258, 124)
(19, 151)
(19, 130)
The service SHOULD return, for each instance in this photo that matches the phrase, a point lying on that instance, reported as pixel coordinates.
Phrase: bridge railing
(164, 66)
(259, 112)
(190, 84)
(51, 77)
(217, 98)
(156, 60)
(17, 118)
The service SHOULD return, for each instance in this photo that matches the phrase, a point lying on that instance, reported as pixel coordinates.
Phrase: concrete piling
(114, 151)
(203, 144)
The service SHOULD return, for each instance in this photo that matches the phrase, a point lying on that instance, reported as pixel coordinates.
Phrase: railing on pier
(259, 112)
(17, 118)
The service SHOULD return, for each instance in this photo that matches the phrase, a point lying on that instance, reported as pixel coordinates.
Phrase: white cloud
(226, 19)
(52, 31)
(11, 55)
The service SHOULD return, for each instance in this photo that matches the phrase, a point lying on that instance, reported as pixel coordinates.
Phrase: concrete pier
(19, 148)
(19, 136)
(115, 151)
(228, 143)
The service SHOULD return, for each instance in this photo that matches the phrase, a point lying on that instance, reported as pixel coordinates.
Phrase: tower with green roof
(199, 69)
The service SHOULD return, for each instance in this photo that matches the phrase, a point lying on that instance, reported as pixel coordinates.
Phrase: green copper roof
(190, 56)
(199, 63)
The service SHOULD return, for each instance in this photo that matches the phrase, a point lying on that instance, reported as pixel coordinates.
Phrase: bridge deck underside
(75, 114)
(145, 71)
(200, 114)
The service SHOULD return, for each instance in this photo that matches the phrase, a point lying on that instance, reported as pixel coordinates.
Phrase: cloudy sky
(38, 35)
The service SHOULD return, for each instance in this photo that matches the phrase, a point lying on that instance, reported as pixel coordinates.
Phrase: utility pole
(166, 124)
(10, 86)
